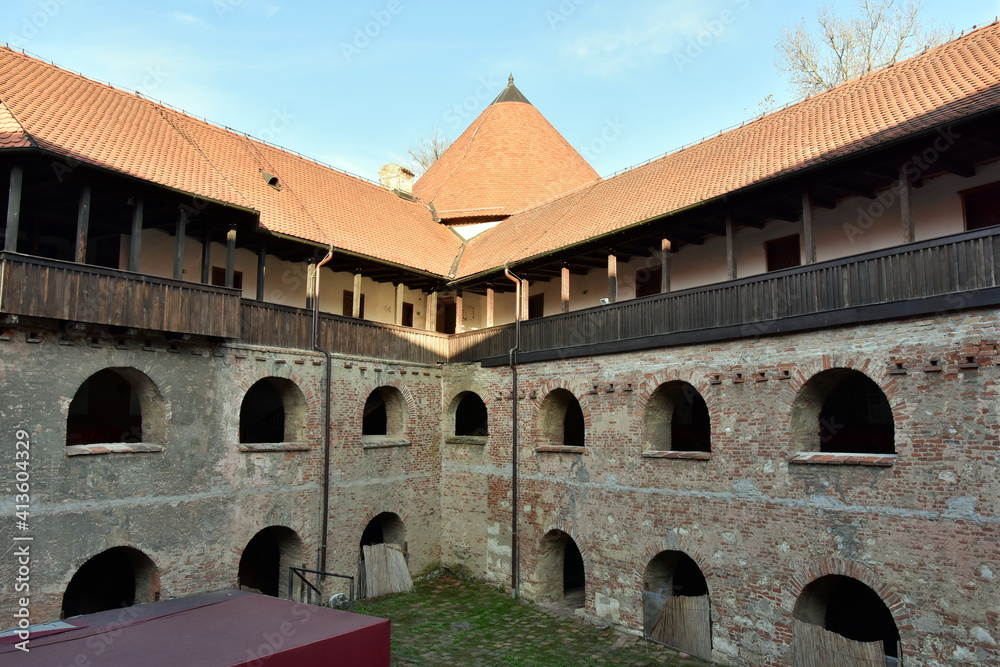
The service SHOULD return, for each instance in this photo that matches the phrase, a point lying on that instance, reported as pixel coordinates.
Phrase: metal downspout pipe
(325, 521)
(515, 552)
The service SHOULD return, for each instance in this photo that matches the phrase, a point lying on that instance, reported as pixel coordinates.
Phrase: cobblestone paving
(449, 622)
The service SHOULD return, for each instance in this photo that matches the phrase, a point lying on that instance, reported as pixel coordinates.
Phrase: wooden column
(356, 306)
(459, 326)
(14, 208)
(808, 239)
(311, 284)
(490, 299)
(135, 246)
(82, 225)
(261, 261)
(398, 316)
(180, 236)
(230, 255)
(206, 258)
(612, 277)
(564, 288)
(525, 295)
(730, 248)
(665, 266)
(431, 314)
(905, 210)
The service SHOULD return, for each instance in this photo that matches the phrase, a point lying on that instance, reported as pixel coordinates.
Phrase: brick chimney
(398, 179)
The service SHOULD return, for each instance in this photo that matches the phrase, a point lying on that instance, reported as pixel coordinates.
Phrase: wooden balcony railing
(38, 287)
(928, 276)
(949, 273)
(283, 326)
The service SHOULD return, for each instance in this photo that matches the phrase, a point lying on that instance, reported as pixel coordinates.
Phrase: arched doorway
(837, 615)
(675, 604)
(266, 559)
(117, 577)
(382, 558)
(561, 574)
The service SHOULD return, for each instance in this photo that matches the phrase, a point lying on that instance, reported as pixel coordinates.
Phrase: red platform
(220, 629)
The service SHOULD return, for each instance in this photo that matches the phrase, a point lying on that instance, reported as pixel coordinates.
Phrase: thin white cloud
(181, 17)
(635, 39)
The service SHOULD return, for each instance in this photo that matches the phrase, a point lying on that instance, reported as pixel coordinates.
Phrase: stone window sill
(273, 447)
(465, 440)
(690, 456)
(848, 459)
(113, 448)
(561, 449)
(380, 441)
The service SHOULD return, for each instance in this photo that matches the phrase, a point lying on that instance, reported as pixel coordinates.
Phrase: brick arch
(451, 406)
(804, 410)
(546, 434)
(154, 408)
(408, 407)
(656, 415)
(541, 589)
(832, 565)
(145, 570)
(701, 559)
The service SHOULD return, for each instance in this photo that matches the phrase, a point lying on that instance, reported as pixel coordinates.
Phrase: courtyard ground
(444, 621)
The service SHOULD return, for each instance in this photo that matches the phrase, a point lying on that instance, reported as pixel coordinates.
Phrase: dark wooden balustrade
(38, 287)
(857, 288)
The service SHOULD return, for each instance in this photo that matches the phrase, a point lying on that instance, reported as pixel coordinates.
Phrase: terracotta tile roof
(941, 85)
(70, 115)
(12, 135)
(508, 159)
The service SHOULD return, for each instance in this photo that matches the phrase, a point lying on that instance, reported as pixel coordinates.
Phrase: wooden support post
(398, 313)
(431, 314)
(230, 255)
(459, 307)
(525, 297)
(356, 306)
(135, 246)
(808, 237)
(612, 277)
(730, 248)
(490, 300)
(180, 237)
(261, 262)
(311, 284)
(564, 288)
(82, 225)
(14, 208)
(905, 209)
(665, 266)
(206, 258)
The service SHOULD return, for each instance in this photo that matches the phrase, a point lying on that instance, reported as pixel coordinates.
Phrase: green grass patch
(445, 621)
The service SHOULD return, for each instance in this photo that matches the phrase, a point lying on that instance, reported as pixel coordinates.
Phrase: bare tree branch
(881, 33)
(427, 151)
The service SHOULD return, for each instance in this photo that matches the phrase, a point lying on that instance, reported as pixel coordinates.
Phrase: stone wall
(921, 532)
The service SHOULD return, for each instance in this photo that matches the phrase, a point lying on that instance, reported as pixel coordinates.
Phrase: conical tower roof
(508, 159)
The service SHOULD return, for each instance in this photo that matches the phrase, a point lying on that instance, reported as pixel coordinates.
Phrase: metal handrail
(301, 572)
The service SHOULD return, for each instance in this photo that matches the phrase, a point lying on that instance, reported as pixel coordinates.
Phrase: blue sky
(355, 84)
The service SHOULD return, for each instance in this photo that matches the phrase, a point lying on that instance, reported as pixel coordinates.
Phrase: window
(273, 410)
(348, 305)
(470, 415)
(561, 421)
(383, 413)
(677, 419)
(647, 281)
(219, 277)
(115, 405)
(982, 206)
(536, 306)
(842, 411)
(782, 253)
